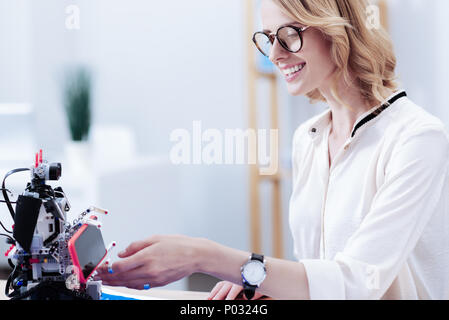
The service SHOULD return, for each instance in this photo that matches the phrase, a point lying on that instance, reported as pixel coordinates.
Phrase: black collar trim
(378, 111)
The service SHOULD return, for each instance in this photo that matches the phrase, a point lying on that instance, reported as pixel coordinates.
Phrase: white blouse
(376, 224)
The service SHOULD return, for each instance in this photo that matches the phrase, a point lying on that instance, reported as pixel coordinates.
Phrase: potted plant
(77, 105)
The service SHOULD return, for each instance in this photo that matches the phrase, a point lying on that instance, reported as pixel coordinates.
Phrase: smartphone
(87, 250)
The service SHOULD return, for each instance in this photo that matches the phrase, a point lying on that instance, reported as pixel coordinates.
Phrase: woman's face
(315, 53)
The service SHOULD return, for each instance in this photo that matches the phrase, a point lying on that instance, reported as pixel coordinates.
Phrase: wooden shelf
(255, 178)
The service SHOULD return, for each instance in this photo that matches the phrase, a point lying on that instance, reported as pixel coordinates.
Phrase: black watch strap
(255, 256)
(249, 290)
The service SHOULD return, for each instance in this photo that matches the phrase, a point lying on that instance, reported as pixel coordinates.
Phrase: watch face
(254, 272)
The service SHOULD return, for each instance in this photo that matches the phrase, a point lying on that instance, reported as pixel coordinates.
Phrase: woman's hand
(225, 290)
(153, 262)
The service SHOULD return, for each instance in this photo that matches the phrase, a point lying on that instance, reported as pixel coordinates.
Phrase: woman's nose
(277, 52)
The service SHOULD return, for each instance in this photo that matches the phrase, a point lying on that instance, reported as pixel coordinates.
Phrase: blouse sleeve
(412, 191)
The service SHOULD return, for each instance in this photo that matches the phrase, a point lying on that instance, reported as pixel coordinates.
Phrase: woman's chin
(296, 90)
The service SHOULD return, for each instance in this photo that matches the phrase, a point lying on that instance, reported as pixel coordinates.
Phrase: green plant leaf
(77, 102)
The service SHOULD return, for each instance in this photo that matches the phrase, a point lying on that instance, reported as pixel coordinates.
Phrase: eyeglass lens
(288, 37)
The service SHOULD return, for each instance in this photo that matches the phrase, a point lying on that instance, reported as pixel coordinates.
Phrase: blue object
(264, 64)
(146, 287)
(105, 296)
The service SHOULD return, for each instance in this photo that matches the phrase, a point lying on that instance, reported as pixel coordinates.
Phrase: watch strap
(249, 290)
(255, 256)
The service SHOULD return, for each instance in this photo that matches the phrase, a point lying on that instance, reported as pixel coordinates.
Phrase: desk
(152, 294)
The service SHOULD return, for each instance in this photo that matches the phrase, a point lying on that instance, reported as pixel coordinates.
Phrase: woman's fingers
(137, 246)
(234, 292)
(221, 295)
(121, 279)
(121, 266)
(124, 268)
(215, 290)
(224, 290)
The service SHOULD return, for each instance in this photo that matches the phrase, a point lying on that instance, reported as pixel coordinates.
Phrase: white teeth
(290, 71)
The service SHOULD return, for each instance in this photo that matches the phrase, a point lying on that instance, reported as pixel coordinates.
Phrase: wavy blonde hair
(365, 53)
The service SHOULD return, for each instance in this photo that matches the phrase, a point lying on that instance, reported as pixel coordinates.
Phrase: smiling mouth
(292, 71)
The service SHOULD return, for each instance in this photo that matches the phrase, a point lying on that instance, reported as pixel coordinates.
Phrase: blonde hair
(365, 53)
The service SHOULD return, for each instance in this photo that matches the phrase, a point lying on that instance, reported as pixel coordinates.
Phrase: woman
(369, 211)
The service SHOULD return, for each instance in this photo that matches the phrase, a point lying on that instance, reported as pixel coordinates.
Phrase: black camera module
(54, 171)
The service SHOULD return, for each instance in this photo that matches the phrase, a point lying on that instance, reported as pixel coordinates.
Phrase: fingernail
(122, 252)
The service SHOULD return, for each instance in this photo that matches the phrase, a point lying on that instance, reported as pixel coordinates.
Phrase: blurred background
(143, 68)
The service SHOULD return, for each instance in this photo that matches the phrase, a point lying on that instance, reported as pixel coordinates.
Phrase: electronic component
(52, 259)
(87, 250)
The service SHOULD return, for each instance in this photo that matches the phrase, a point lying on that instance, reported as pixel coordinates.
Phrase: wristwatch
(253, 274)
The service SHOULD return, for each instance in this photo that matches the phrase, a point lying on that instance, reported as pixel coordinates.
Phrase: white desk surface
(152, 294)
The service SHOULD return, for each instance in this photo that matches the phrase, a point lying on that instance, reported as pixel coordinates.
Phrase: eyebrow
(284, 25)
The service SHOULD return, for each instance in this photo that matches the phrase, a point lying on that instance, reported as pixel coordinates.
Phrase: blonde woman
(369, 212)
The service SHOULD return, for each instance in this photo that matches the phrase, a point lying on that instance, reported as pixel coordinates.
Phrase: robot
(40, 255)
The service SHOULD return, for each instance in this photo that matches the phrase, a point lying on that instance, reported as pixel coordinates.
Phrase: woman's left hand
(153, 262)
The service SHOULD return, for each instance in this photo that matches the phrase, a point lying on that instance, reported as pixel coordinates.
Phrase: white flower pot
(78, 158)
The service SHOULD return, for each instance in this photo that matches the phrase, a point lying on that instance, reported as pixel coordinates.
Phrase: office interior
(158, 66)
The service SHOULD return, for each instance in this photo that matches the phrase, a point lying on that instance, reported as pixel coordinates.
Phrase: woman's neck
(344, 118)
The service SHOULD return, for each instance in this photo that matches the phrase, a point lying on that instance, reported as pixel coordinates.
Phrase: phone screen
(90, 249)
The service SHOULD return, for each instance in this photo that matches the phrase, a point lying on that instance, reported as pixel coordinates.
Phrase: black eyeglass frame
(271, 37)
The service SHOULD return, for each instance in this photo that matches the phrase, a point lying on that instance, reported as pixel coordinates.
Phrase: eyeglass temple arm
(302, 29)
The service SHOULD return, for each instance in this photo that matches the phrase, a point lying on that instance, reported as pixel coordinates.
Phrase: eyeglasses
(289, 37)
